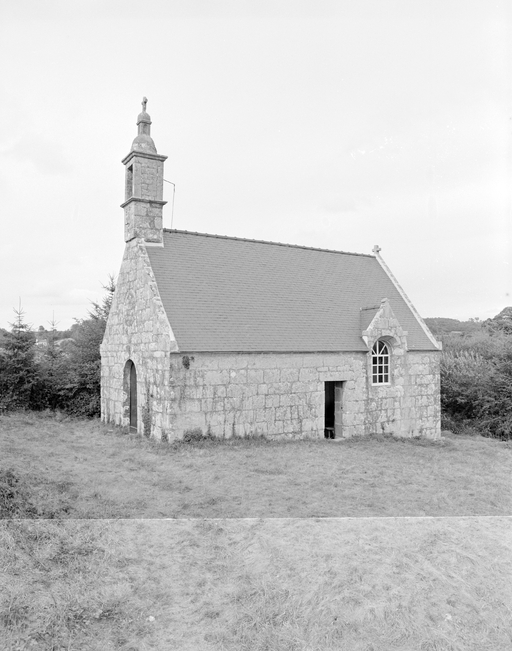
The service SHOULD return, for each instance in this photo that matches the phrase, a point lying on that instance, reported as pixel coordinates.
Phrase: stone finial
(143, 141)
(376, 249)
(144, 116)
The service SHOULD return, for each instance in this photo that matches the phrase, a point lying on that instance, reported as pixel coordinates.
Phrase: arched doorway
(130, 375)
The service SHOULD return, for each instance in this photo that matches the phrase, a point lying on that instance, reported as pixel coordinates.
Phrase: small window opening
(380, 363)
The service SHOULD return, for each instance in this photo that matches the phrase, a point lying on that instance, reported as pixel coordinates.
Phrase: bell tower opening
(129, 183)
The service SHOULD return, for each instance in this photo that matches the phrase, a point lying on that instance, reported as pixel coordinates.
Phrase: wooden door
(338, 409)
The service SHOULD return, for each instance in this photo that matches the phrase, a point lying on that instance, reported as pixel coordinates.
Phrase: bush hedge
(476, 382)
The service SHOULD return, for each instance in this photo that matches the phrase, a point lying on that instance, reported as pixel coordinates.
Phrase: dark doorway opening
(133, 396)
(329, 411)
(333, 409)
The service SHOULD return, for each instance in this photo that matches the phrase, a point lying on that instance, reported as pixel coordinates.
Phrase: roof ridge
(244, 239)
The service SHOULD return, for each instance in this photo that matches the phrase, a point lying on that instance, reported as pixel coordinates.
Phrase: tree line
(55, 376)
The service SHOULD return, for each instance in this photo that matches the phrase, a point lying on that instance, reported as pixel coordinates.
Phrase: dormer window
(380, 363)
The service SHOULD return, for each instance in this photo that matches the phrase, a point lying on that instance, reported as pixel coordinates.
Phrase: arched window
(380, 363)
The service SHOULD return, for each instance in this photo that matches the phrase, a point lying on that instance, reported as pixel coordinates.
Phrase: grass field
(257, 585)
(110, 541)
(80, 469)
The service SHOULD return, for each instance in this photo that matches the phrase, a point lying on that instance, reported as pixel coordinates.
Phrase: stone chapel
(243, 337)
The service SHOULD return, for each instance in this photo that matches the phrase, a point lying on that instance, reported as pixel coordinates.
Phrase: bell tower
(144, 186)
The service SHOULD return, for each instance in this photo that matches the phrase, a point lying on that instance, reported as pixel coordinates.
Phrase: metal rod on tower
(172, 205)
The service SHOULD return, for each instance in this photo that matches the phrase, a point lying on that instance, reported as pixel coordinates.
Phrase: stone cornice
(157, 201)
(142, 154)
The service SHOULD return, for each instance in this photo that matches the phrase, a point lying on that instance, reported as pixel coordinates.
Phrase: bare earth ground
(86, 471)
(275, 584)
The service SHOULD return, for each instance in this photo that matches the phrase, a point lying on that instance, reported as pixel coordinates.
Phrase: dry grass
(240, 585)
(61, 588)
(316, 584)
(80, 469)
(371, 585)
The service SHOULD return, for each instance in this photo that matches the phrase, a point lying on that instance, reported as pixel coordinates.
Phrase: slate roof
(228, 294)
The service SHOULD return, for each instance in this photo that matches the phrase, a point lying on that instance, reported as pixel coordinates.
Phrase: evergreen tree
(100, 311)
(18, 368)
(54, 373)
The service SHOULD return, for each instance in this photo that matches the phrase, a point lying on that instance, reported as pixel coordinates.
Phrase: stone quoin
(240, 337)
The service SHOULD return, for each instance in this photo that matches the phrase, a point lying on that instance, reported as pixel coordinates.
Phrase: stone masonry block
(271, 376)
(284, 400)
(258, 402)
(234, 391)
(260, 362)
(289, 374)
(308, 375)
(271, 401)
(283, 413)
(282, 387)
(255, 376)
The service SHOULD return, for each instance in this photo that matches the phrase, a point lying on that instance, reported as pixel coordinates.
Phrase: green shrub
(196, 435)
(476, 382)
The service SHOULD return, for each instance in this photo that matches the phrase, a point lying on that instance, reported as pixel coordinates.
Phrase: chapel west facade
(241, 337)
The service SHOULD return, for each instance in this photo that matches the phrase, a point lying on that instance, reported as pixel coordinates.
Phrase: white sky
(338, 124)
